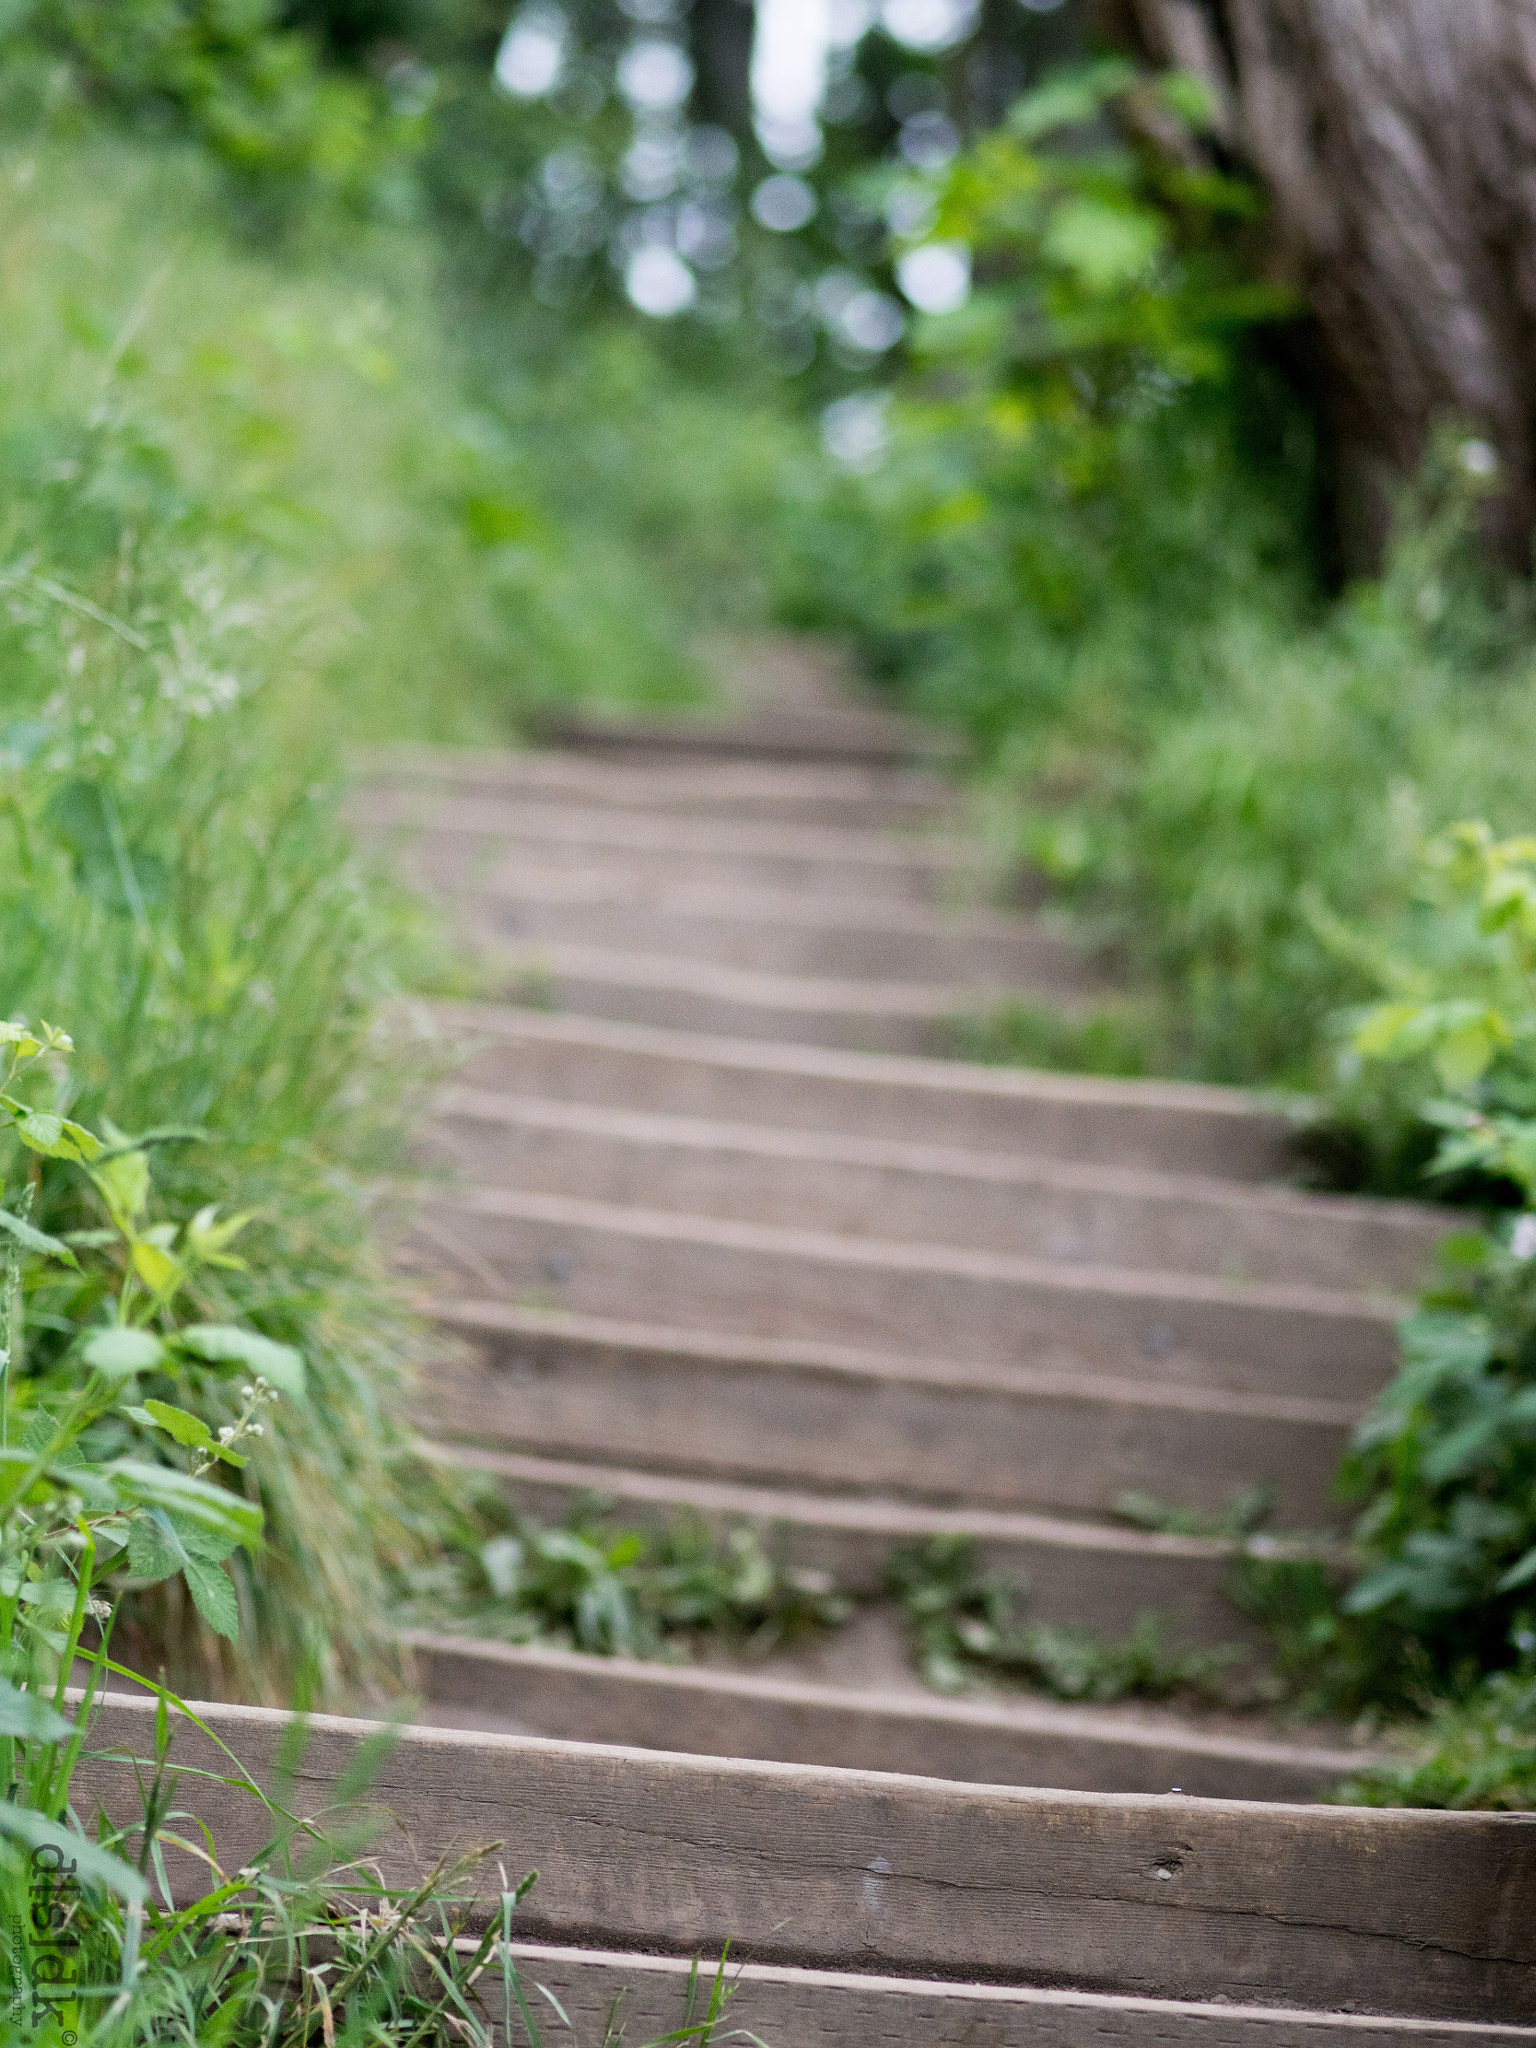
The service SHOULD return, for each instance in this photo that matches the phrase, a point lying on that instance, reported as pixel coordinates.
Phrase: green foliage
(1477, 1751)
(967, 1623)
(592, 1585)
(1445, 1463)
(1094, 540)
(83, 1469)
(249, 90)
(1118, 1039)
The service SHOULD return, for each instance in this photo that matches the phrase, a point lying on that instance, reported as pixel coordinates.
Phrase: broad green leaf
(1070, 98)
(177, 1422)
(225, 1344)
(123, 1182)
(31, 1718)
(52, 1135)
(154, 1267)
(1189, 97)
(187, 1429)
(208, 1237)
(1103, 245)
(1463, 1054)
(155, 1547)
(213, 1595)
(120, 1353)
(34, 1240)
(79, 1857)
(212, 1508)
(20, 1035)
(1379, 1033)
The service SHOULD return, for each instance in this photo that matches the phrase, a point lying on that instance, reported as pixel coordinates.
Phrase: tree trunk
(1397, 139)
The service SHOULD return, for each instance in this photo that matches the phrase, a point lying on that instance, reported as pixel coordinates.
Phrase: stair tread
(827, 2007)
(847, 1182)
(883, 1690)
(1154, 1896)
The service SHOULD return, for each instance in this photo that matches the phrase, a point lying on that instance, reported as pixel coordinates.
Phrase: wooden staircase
(726, 1228)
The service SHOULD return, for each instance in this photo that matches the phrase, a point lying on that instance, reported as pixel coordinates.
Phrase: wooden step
(1152, 1126)
(718, 1404)
(1077, 1574)
(1421, 1914)
(784, 932)
(713, 1273)
(874, 737)
(792, 2008)
(665, 991)
(520, 1690)
(866, 799)
(934, 1194)
(458, 841)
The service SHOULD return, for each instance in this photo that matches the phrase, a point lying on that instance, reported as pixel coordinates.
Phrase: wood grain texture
(932, 1194)
(824, 1415)
(1422, 1914)
(533, 1691)
(1155, 1125)
(775, 1281)
(792, 2008)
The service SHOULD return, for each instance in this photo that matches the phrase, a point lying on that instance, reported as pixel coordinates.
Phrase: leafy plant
(1446, 1461)
(1244, 1513)
(619, 1592)
(966, 1623)
(102, 1493)
(1476, 1750)
(251, 90)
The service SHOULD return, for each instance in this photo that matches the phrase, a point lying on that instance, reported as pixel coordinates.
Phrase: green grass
(454, 520)
(254, 506)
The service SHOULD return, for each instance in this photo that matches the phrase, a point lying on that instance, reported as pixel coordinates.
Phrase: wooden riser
(599, 852)
(791, 2008)
(931, 1194)
(709, 1273)
(662, 991)
(466, 829)
(494, 1688)
(874, 737)
(1151, 1126)
(1084, 1575)
(1422, 1914)
(832, 1417)
(788, 934)
(860, 799)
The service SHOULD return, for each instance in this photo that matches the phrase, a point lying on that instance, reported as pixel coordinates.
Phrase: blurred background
(1136, 387)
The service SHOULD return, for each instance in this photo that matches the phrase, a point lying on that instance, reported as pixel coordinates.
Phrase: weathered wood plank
(799, 793)
(932, 1194)
(1159, 1126)
(790, 2008)
(709, 1272)
(818, 1414)
(1423, 1914)
(534, 1691)
(784, 933)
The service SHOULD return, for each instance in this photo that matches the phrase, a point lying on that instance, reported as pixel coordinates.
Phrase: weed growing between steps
(967, 1623)
(594, 1585)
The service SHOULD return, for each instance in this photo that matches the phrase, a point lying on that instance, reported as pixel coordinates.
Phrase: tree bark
(1397, 140)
